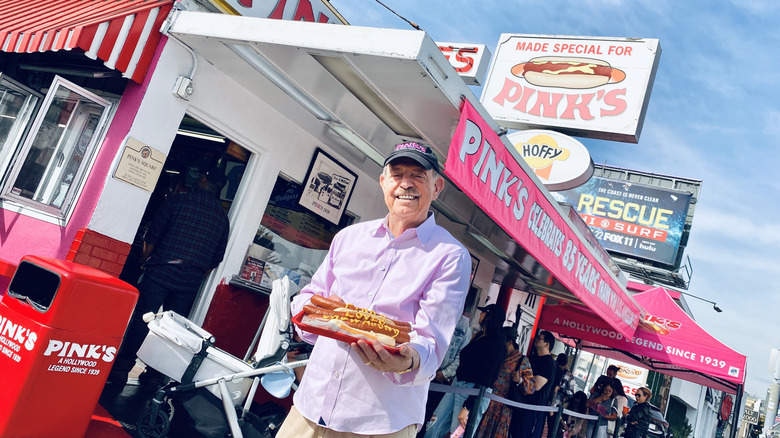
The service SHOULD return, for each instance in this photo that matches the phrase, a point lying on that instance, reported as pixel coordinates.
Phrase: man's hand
(374, 355)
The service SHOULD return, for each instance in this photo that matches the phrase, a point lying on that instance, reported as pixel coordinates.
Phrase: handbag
(519, 391)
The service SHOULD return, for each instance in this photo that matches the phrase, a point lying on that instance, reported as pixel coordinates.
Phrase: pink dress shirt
(421, 276)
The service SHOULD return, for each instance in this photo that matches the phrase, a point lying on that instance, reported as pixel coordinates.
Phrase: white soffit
(405, 67)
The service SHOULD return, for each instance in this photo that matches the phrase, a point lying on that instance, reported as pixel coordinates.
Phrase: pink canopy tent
(667, 340)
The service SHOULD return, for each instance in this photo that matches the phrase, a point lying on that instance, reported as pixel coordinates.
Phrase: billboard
(580, 86)
(636, 220)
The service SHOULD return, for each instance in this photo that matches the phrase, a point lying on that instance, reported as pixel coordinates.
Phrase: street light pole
(774, 394)
(714, 305)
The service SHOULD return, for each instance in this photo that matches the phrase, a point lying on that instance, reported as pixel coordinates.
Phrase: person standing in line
(565, 384)
(480, 362)
(611, 378)
(621, 402)
(574, 426)
(619, 394)
(638, 418)
(556, 396)
(446, 371)
(525, 422)
(185, 241)
(495, 422)
(603, 405)
(405, 267)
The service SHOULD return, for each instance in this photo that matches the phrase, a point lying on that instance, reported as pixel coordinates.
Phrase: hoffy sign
(480, 164)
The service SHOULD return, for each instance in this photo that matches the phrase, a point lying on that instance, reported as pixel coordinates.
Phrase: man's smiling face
(409, 190)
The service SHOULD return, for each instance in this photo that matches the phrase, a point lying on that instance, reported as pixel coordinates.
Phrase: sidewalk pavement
(103, 425)
(119, 407)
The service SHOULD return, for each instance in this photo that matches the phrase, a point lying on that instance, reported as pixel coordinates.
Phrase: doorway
(195, 149)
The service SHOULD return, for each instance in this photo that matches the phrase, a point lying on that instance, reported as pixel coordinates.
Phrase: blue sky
(714, 115)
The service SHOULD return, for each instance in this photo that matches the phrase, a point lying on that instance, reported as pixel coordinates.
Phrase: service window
(17, 107)
(54, 157)
(291, 241)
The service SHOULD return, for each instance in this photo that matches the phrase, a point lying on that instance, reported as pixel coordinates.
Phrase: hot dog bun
(567, 72)
(368, 315)
(351, 315)
(385, 334)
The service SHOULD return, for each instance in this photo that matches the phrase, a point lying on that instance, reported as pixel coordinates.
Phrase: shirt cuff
(416, 376)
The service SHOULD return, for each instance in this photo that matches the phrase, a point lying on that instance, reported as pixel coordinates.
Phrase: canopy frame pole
(735, 411)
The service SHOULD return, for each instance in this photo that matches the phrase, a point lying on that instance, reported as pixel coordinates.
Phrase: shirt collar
(423, 232)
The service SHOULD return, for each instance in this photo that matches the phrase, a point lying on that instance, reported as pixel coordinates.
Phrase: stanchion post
(471, 425)
(557, 421)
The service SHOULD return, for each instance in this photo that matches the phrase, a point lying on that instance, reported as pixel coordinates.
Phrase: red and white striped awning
(122, 33)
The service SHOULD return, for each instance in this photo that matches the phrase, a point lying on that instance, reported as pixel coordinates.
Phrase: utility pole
(774, 391)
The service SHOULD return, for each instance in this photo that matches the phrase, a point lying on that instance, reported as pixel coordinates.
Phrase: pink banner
(480, 165)
(667, 340)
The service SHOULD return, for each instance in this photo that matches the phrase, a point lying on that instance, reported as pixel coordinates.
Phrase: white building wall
(277, 145)
(687, 392)
(701, 415)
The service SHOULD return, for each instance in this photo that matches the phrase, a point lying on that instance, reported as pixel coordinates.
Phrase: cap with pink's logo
(420, 153)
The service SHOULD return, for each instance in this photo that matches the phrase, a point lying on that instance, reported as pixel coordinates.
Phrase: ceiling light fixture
(202, 136)
(445, 211)
(365, 93)
(489, 245)
(267, 69)
(360, 144)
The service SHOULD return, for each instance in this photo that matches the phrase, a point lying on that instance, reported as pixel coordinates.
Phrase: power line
(411, 23)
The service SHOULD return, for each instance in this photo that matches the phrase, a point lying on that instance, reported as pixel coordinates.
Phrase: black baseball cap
(418, 152)
(493, 310)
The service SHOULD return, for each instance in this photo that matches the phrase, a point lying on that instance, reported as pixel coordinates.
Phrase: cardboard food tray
(298, 320)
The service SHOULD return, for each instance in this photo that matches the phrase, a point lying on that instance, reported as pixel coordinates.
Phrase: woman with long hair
(495, 422)
(480, 362)
(638, 418)
(575, 426)
(603, 405)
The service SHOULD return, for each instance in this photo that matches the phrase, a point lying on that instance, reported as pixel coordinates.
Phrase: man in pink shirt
(405, 267)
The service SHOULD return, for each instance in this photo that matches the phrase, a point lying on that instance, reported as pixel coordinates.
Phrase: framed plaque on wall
(327, 187)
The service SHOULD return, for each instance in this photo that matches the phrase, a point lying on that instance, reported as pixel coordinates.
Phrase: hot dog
(385, 334)
(567, 72)
(351, 315)
(368, 315)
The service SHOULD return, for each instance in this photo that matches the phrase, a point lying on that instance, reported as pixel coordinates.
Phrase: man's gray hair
(436, 175)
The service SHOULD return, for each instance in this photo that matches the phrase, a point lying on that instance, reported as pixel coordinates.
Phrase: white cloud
(772, 123)
(719, 225)
(757, 6)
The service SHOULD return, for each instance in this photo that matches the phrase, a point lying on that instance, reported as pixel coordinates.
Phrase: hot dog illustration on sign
(568, 72)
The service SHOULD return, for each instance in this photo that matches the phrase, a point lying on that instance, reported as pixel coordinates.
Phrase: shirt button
(337, 375)
(370, 294)
(382, 268)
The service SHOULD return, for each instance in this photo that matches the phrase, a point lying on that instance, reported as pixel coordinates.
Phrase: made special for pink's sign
(480, 165)
(580, 86)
